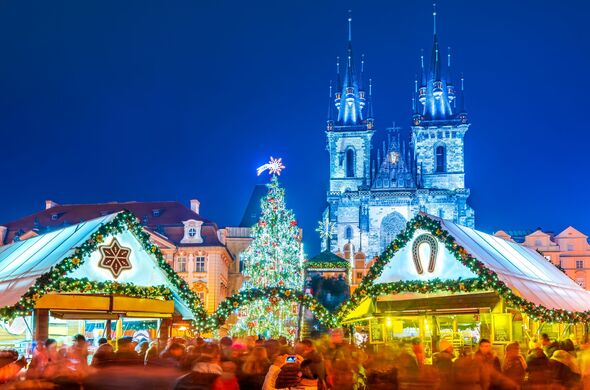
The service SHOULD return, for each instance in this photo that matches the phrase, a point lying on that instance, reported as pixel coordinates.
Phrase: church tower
(349, 126)
(439, 124)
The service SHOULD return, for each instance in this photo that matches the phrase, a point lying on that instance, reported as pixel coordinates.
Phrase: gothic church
(376, 187)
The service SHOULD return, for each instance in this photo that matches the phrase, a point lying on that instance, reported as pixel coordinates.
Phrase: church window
(350, 163)
(348, 233)
(441, 163)
(441, 213)
(391, 226)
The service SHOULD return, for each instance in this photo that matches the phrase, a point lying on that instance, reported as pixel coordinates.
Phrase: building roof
(326, 257)
(523, 270)
(253, 209)
(22, 263)
(165, 218)
(571, 232)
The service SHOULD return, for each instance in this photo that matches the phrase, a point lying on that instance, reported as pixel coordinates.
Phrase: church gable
(423, 258)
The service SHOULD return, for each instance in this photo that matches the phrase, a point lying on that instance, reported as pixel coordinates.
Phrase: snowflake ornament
(326, 229)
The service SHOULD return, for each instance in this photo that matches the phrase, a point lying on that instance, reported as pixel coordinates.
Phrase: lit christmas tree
(273, 259)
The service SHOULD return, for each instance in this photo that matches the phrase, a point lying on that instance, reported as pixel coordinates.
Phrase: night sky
(173, 100)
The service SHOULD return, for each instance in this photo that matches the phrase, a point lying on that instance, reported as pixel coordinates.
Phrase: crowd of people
(329, 362)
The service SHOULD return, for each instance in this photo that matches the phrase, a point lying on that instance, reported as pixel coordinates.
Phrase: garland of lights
(272, 295)
(55, 279)
(326, 264)
(486, 278)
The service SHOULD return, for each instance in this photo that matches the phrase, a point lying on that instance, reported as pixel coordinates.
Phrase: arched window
(348, 233)
(391, 225)
(441, 159)
(350, 163)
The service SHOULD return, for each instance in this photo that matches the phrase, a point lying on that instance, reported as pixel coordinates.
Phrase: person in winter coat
(538, 368)
(254, 369)
(470, 373)
(514, 366)
(564, 369)
(443, 361)
(104, 354)
(206, 373)
(283, 374)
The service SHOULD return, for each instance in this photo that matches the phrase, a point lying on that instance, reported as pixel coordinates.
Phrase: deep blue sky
(172, 100)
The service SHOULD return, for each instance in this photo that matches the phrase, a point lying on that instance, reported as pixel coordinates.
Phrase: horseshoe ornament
(431, 241)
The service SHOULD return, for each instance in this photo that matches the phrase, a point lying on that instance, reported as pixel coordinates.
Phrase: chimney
(3, 230)
(195, 204)
(50, 204)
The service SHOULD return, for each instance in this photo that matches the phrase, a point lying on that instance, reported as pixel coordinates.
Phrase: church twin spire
(434, 100)
(353, 105)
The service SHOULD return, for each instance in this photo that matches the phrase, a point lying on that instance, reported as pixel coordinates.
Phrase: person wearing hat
(514, 366)
(443, 361)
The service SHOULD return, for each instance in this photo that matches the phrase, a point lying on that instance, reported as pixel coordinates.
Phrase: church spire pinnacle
(350, 99)
(434, 17)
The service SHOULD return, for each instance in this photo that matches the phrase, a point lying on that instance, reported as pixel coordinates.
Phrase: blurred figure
(307, 350)
(142, 348)
(538, 368)
(10, 365)
(39, 361)
(125, 354)
(78, 353)
(254, 369)
(104, 354)
(487, 356)
(206, 372)
(225, 344)
(514, 366)
(564, 369)
(152, 353)
(173, 355)
(549, 346)
(470, 373)
(282, 374)
(443, 361)
(584, 363)
(228, 378)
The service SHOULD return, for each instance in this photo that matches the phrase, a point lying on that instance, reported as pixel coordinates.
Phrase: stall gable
(424, 258)
(121, 258)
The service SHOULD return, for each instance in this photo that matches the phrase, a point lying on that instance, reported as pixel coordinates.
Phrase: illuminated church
(378, 179)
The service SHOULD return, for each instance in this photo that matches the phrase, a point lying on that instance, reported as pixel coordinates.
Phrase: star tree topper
(115, 258)
(274, 166)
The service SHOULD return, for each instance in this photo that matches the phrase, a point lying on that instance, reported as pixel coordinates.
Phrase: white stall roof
(525, 271)
(23, 262)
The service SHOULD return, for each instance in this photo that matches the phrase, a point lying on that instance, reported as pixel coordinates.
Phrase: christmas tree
(273, 259)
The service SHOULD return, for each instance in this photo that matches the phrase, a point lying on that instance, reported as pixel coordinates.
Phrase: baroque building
(380, 179)
(194, 246)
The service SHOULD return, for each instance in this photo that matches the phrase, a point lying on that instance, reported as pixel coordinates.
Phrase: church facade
(378, 179)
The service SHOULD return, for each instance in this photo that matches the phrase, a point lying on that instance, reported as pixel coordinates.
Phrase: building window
(441, 213)
(54, 217)
(192, 232)
(348, 233)
(538, 243)
(359, 275)
(350, 163)
(570, 247)
(441, 163)
(155, 212)
(181, 264)
(201, 296)
(579, 264)
(200, 264)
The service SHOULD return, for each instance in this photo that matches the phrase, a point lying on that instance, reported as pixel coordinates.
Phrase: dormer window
(192, 232)
(155, 212)
(54, 217)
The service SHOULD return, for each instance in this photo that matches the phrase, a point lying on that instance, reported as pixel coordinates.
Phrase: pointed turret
(436, 93)
(350, 99)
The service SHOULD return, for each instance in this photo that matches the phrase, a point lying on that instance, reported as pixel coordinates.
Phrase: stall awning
(525, 271)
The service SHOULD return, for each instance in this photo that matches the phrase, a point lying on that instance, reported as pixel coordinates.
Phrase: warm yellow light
(388, 322)
(182, 328)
